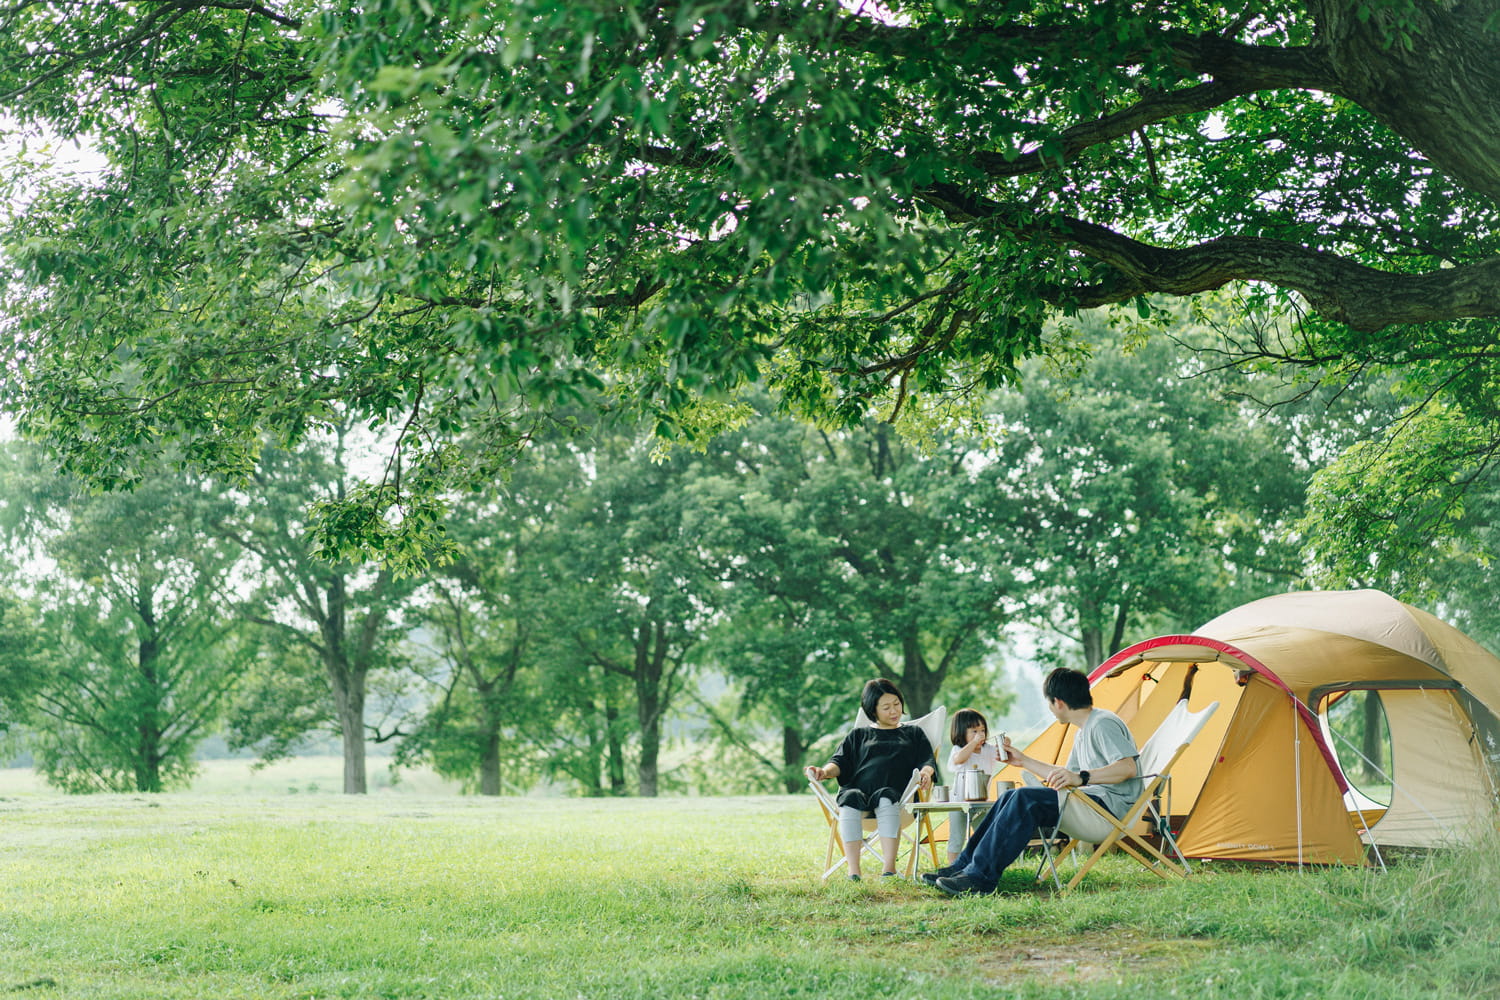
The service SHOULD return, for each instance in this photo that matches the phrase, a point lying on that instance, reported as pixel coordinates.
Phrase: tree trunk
(1090, 631)
(792, 750)
(489, 763)
(646, 773)
(1432, 80)
(1374, 735)
(616, 749)
(349, 701)
(148, 724)
(1093, 647)
(650, 659)
(346, 676)
(918, 684)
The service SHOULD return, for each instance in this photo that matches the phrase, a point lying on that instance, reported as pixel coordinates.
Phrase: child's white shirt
(986, 758)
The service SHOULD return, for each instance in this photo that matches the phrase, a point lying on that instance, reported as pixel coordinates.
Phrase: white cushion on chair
(934, 724)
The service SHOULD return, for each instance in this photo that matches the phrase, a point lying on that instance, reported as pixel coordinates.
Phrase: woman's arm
(929, 766)
(850, 752)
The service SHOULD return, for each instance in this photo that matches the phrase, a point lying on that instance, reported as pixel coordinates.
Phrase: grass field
(311, 775)
(442, 896)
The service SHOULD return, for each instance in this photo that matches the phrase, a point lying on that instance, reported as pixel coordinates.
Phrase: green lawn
(311, 775)
(218, 896)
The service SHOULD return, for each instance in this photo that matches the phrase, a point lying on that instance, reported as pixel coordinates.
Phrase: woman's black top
(877, 763)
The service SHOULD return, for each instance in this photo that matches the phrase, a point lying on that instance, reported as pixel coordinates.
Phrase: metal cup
(939, 793)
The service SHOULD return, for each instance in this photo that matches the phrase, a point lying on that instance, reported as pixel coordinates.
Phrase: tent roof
(1175, 649)
(1368, 615)
(1281, 631)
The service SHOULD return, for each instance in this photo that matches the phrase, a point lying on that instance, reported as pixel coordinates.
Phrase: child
(873, 765)
(969, 733)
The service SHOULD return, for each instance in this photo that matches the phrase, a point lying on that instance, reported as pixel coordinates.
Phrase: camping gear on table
(972, 784)
(1269, 777)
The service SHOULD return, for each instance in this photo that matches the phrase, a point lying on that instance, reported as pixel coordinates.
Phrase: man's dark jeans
(1005, 831)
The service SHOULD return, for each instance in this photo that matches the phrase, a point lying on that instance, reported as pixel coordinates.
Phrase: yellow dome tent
(1266, 779)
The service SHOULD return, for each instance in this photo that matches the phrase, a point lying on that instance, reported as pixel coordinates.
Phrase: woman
(873, 766)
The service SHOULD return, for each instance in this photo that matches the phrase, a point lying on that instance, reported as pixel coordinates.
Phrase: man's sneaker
(947, 871)
(963, 885)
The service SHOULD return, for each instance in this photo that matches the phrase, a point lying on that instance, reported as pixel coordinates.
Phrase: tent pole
(1358, 807)
(1297, 783)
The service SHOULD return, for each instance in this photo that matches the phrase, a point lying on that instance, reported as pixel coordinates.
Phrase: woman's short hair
(1072, 686)
(874, 691)
(964, 720)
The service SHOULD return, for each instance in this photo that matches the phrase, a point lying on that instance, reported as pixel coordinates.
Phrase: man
(1103, 763)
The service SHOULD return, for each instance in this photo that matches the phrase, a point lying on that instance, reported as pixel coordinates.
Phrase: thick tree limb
(1339, 289)
(1075, 140)
(1428, 71)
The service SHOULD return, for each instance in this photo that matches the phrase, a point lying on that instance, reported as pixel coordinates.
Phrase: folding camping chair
(871, 835)
(1085, 821)
(934, 725)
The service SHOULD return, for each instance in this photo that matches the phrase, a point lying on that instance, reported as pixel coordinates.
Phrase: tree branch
(1337, 288)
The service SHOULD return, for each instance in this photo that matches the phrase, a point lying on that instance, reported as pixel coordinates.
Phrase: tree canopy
(471, 212)
(137, 649)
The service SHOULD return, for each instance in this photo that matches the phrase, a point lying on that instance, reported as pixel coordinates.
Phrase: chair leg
(1164, 830)
(834, 847)
(1051, 862)
(1157, 861)
(1146, 861)
(1100, 849)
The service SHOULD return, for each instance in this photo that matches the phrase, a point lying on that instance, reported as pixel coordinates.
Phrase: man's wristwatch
(1083, 777)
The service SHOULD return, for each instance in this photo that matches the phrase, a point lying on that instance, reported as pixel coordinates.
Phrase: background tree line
(605, 594)
(515, 239)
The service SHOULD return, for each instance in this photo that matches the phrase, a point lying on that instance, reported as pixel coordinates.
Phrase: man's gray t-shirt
(1103, 739)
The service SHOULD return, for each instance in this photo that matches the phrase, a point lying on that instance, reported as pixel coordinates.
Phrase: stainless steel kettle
(971, 785)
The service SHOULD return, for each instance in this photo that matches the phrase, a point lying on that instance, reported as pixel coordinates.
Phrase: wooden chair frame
(1083, 819)
(907, 833)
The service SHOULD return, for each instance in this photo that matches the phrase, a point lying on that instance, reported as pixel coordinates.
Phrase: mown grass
(446, 897)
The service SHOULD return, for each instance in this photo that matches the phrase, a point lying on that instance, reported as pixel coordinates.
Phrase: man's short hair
(874, 691)
(1072, 686)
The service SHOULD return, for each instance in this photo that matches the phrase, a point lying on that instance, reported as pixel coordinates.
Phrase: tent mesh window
(1361, 739)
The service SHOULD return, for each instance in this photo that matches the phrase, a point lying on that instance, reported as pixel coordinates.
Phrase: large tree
(1155, 495)
(849, 555)
(640, 594)
(318, 613)
(135, 589)
(474, 208)
(1380, 517)
(483, 621)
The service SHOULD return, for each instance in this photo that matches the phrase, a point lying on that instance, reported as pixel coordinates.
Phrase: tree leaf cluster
(439, 216)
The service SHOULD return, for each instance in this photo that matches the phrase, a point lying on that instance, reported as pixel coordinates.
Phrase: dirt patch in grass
(1089, 957)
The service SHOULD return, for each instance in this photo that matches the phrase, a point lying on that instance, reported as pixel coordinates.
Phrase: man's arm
(1056, 776)
(1110, 774)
